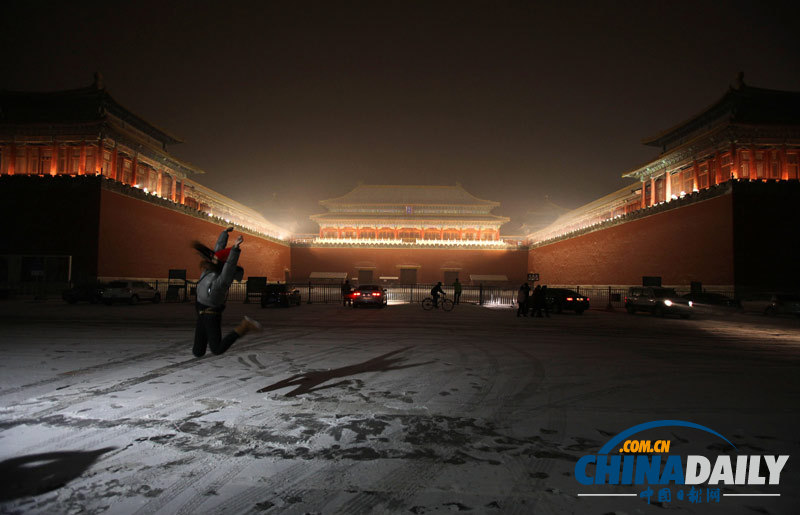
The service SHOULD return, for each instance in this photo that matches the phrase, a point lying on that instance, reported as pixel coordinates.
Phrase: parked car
(131, 292)
(562, 299)
(658, 301)
(369, 295)
(772, 303)
(88, 292)
(711, 299)
(279, 295)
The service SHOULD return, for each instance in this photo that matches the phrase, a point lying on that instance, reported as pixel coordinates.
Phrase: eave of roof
(76, 105)
(740, 103)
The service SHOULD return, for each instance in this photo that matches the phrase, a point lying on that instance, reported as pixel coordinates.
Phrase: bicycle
(446, 304)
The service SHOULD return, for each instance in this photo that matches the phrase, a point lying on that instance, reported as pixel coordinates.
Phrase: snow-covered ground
(104, 409)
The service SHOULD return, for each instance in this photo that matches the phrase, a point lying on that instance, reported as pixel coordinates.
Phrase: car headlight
(668, 303)
(690, 303)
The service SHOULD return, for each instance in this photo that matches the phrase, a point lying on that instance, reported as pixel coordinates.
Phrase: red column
(133, 169)
(114, 159)
(753, 171)
(734, 162)
(784, 164)
(695, 173)
(54, 160)
(82, 163)
(159, 178)
(441, 234)
(396, 233)
(667, 189)
(644, 195)
(338, 232)
(652, 191)
(12, 159)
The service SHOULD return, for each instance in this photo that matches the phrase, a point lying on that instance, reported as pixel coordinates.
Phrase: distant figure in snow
(456, 291)
(219, 270)
(522, 300)
(346, 299)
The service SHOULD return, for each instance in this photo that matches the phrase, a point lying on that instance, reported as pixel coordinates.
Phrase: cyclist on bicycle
(435, 291)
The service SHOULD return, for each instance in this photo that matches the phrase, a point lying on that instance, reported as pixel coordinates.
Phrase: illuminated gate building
(717, 206)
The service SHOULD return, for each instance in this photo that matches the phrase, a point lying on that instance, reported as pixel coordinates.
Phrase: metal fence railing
(324, 293)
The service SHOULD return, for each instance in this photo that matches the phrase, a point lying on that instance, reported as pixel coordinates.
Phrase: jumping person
(219, 270)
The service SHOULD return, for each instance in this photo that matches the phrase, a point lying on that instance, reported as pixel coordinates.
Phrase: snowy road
(335, 410)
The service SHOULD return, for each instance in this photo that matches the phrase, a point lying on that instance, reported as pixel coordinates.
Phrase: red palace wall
(139, 239)
(691, 243)
(430, 262)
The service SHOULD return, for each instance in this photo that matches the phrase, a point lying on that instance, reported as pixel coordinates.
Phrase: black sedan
(562, 299)
(279, 295)
(89, 292)
(369, 295)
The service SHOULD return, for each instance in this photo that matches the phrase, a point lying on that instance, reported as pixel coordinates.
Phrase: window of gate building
(792, 165)
(349, 233)
(386, 234)
(450, 235)
(775, 165)
(688, 180)
(409, 233)
(744, 164)
(368, 234)
(408, 276)
(759, 161)
(724, 168)
(660, 191)
(702, 176)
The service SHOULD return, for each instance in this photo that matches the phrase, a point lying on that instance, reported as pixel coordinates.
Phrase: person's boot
(247, 325)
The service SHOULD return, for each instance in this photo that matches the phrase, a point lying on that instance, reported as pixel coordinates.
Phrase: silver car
(131, 292)
(658, 301)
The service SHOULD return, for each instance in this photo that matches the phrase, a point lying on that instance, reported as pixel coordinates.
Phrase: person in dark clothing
(435, 292)
(536, 302)
(522, 300)
(212, 290)
(544, 302)
(540, 302)
(346, 299)
(456, 291)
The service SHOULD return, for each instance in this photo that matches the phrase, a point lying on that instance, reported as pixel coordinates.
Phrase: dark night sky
(285, 104)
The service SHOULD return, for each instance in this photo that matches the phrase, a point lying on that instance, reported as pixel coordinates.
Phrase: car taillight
(586, 299)
(376, 294)
(569, 299)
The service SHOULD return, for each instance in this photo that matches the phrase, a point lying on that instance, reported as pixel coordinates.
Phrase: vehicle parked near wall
(131, 292)
(87, 292)
(279, 295)
(562, 299)
(657, 301)
(772, 303)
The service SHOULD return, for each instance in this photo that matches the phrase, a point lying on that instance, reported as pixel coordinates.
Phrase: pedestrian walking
(346, 298)
(456, 291)
(219, 269)
(522, 299)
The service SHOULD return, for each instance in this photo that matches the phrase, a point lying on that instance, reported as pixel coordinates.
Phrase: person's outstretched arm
(222, 240)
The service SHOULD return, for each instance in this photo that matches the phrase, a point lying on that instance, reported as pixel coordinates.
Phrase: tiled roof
(409, 195)
(83, 105)
(740, 104)
(401, 218)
